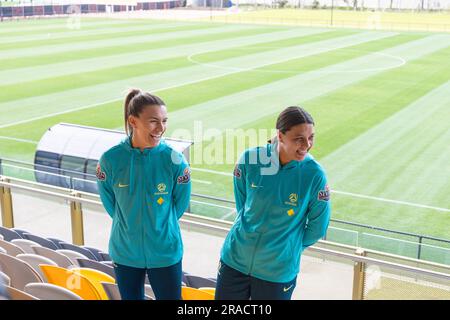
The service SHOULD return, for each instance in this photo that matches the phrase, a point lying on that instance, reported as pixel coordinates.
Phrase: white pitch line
(202, 181)
(411, 204)
(154, 90)
(19, 140)
(418, 205)
(229, 214)
(213, 171)
(211, 204)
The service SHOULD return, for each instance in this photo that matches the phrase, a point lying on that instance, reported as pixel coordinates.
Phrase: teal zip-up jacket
(145, 193)
(279, 214)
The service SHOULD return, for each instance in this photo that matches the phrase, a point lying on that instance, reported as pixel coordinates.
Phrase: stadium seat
(2, 250)
(60, 259)
(48, 291)
(72, 281)
(148, 292)
(112, 290)
(5, 279)
(35, 260)
(208, 289)
(83, 251)
(188, 293)
(25, 244)
(19, 231)
(1, 237)
(20, 273)
(16, 294)
(42, 241)
(56, 241)
(96, 278)
(9, 234)
(72, 255)
(113, 293)
(198, 282)
(183, 277)
(86, 263)
(96, 252)
(105, 256)
(11, 248)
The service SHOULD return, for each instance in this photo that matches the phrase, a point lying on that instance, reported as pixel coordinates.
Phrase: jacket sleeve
(239, 185)
(105, 185)
(181, 193)
(319, 210)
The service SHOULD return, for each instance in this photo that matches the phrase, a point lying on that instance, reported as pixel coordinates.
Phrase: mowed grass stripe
(93, 95)
(80, 32)
(247, 80)
(126, 48)
(350, 111)
(112, 34)
(364, 103)
(55, 84)
(91, 64)
(214, 56)
(133, 39)
(188, 95)
(18, 29)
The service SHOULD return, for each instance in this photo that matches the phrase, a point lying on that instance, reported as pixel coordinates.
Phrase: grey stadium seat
(20, 273)
(84, 251)
(40, 240)
(87, 263)
(9, 234)
(47, 291)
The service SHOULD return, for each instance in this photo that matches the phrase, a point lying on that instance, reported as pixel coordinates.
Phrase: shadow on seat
(72, 255)
(34, 260)
(198, 282)
(96, 278)
(25, 244)
(20, 273)
(112, 290)
(60, 259)
(16, 294)
(48, 291)
(72, 281)
(11, 248)
(86, 263)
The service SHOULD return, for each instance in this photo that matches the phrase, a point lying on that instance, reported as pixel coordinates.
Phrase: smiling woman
(145, 118)
(145, 187)
(282, 204)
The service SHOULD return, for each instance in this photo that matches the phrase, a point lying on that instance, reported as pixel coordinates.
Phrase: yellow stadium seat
(72, 281)
(208, 289)
(96, 277)
(188, 293)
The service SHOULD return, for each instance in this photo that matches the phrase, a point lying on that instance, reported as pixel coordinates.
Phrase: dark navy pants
(235, 285)
(165, 282)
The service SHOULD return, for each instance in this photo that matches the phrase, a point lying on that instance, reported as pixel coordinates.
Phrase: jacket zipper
(254, 253)
(142, 211)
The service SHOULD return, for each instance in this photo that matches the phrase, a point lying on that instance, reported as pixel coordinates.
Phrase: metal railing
(419, 237)
(434, 277)
(76, 184)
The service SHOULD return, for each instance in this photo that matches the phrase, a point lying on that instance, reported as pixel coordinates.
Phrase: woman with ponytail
(145, 187)
(282, 204)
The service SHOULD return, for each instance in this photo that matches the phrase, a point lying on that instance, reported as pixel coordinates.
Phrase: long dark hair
(290, 117)
(135, 101)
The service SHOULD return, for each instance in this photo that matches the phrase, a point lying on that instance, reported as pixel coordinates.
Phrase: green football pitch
(380, 99)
